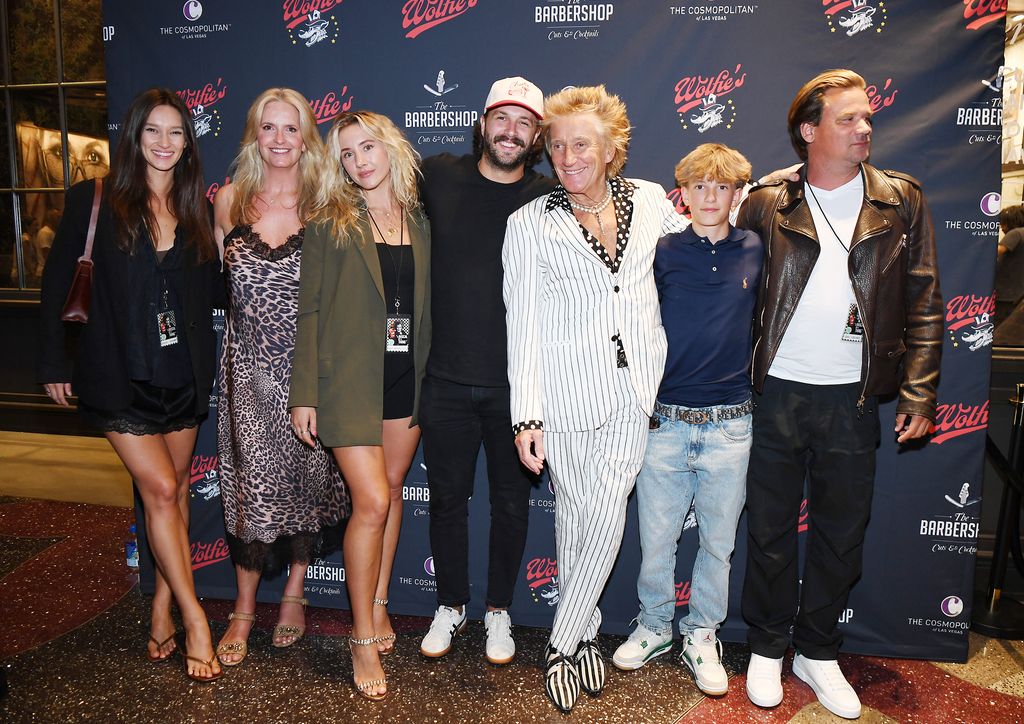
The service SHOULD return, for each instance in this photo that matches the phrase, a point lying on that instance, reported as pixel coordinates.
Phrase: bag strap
(91, 234)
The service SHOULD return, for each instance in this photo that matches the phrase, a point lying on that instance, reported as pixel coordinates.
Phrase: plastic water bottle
(131, 550)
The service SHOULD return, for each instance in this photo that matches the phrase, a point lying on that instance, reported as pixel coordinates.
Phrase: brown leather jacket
(895, 280)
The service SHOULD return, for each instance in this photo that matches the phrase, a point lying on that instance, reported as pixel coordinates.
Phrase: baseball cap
(516, 91)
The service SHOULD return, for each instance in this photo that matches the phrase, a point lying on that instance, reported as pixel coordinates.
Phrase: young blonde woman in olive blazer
(339, 344)
(370, 216)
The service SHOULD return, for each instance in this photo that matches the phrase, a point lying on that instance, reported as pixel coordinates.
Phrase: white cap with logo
(516, 91)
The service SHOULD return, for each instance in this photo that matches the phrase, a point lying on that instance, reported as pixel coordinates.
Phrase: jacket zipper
(867, 337)
(895, 255)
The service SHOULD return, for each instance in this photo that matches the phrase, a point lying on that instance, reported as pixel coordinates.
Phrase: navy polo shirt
(707, 294)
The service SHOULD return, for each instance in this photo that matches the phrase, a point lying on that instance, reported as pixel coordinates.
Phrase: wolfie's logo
(307, 21)
(699, 103)
(297, 12)
(331, 105)
(198, 102)
(682, 593)
(969, 320)
(542, 578)
(418, 16)
(855, 16)
(880, 99)
(979, 13)
(956, 419)
(201, 465)
(206, 554)
(803, 522)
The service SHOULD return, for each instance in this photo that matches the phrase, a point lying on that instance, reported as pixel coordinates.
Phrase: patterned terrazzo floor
(72, 643)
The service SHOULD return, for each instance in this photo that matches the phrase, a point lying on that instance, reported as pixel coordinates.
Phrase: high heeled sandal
(158, 659)
(209, 664)
(373, 683)
(289, 629)
(235, 648)
(383, 602)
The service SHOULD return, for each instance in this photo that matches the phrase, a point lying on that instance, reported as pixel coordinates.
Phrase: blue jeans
(704, 464)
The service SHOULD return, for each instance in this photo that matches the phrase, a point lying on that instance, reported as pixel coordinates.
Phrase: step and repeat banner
(690, 71)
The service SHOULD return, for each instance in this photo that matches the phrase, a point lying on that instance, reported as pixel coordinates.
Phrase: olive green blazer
(339, 344)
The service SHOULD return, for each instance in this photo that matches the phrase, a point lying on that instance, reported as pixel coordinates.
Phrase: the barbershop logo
(442, 120)
(963, 497)
(331, 104)
(712, 12)
(982, 119)
(542, 579)
(954, 532)
(969, 320)
(203, 477)
(855, 16)
(419, 496)
(207, 553)
(682, 593)
(979, 13)
(310, 22)
(191, 11)
(573, 20)
(956, 419)
(419, 16)
(700, 100)
(200, 102)
(321, 570)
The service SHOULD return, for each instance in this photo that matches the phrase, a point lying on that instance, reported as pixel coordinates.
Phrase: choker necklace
(597, 208)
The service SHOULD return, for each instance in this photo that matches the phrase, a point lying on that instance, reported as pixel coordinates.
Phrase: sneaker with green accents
(641, 646)
(702, 654)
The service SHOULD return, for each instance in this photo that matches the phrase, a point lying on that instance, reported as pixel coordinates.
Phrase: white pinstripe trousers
(594, 471)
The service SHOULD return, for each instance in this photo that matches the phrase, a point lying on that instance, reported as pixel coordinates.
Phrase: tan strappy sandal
(289, 630)
(235, 648)
(383, 602)
(373, 683)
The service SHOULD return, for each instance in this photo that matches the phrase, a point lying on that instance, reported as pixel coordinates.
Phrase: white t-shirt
(813, 349)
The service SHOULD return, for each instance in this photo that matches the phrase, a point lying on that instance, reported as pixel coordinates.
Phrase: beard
(490, 148)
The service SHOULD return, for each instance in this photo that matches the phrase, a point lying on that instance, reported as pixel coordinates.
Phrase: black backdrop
(689, 72)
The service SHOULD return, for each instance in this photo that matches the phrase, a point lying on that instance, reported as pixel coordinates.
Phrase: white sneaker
(764, 681)
(500, 646)
(641, 646)
(702, 654)
(447, 622)
(831, 687)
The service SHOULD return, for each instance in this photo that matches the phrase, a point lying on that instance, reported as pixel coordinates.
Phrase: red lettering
(683, 593)
(201, 464)
(691, 90)
(837, 5)
(297, 11)
(540, 571)
(215, 187)
(803, 522)
(422, 15)
(205, 96)
(985, 12)
(676, 197)
(956, 419)
(964, 309)
(206, 554)
(330, 106)
(877, 98)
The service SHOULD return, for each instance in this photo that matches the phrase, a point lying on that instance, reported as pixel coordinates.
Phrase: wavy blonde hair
(247, 178)
(610, 112)
(340, 200)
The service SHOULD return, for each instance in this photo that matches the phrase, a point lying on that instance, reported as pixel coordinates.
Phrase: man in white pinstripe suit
(586, 354)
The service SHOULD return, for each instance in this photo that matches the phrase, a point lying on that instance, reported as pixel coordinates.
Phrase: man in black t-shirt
(465, 396)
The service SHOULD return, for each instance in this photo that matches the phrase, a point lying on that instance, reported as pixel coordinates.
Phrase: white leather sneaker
(500, 645)
(764, 681)
(641, 646)
(447, 622)
(830, 686)
(702, 654)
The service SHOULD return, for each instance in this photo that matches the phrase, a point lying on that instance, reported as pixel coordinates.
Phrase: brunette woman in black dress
(143, 365)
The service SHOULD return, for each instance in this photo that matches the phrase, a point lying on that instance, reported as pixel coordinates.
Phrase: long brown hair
(128, 191)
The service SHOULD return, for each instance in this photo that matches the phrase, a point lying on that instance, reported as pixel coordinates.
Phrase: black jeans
(455, 419)
(814, 432)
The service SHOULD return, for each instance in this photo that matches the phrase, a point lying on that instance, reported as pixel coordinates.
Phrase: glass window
(5, 156)
(37, 137)
(40, 216)
(8, 258)
(88, 147)
(82, 41)
(32, 41)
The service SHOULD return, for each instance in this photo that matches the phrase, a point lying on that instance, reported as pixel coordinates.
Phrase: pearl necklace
(597, 208)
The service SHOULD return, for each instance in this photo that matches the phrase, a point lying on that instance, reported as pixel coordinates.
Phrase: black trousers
(812, 432)
(455, 420)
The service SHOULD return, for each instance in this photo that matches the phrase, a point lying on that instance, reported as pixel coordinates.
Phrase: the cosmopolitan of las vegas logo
(419, 16)
(200, 102)
(189, 26)
(855, 16)
(572, 19)
(701, 100)
(712, 11)
(309, 22)
(442, 119)
(969, 321)
(424, 580)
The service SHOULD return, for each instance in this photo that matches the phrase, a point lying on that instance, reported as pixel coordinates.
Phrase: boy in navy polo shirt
(700, 432)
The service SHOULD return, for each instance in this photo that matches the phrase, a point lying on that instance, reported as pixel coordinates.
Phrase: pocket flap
(890, 348)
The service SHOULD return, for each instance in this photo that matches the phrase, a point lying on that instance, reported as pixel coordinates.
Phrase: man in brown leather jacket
(850, 310)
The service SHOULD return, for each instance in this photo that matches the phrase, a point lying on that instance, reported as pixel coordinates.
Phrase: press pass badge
(854, 329)
(399, 328)
(167, 327)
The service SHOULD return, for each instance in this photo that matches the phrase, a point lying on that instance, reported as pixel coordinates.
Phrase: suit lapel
(420, 261)
(365, 243)
(568, 229)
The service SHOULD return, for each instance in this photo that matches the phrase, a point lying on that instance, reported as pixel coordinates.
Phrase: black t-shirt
(468, 214)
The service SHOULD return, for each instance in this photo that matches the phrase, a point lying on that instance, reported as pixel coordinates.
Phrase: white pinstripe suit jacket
(563, 311)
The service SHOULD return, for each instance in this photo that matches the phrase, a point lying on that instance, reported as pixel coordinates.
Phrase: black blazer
(98, 371)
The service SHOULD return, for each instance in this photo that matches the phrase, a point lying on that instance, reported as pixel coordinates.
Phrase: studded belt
(701, 415)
